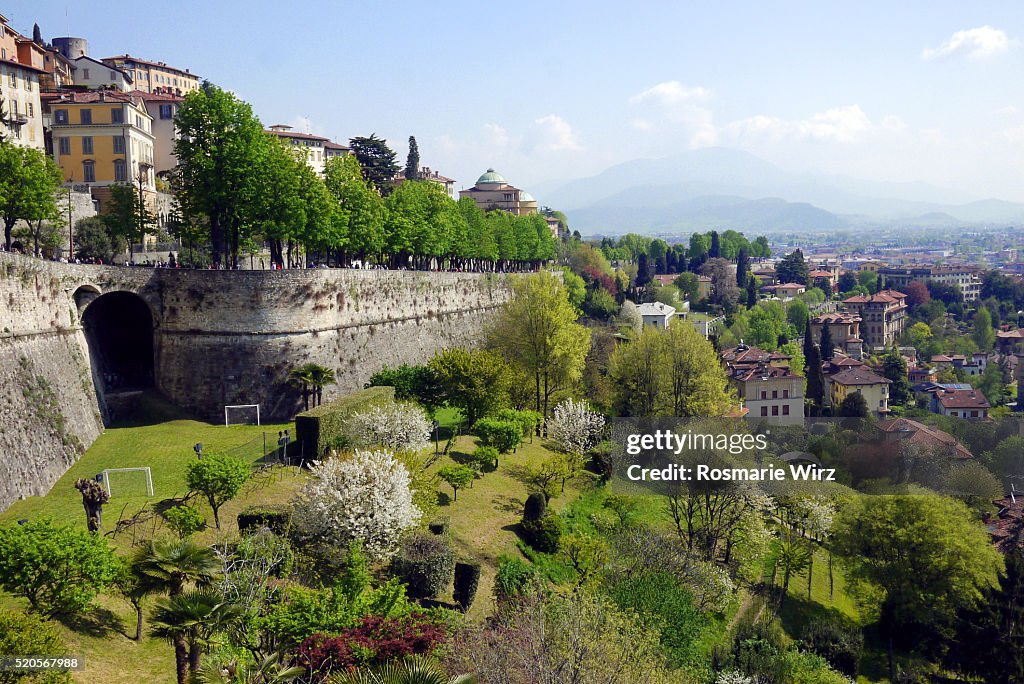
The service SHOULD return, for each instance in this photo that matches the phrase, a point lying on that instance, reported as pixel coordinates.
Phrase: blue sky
(548, 91)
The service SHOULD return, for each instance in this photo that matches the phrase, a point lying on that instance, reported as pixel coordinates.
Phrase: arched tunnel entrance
(119, 329)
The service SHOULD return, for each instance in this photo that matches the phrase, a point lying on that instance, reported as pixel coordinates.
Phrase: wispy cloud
(838, 124)
(671, 93)
(496, 134)
(976, 43)
(681, 107)
(554, 134)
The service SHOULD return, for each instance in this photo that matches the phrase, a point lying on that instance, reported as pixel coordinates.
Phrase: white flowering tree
(575, 427)
(398, 425)
(366, 496)
(629, 316)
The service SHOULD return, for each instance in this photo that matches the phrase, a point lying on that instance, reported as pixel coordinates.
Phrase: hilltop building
(428, 174)
(316, 148)
(492, 191)
(765, 384)
(155, 77)
(844, 328)
(21, 69)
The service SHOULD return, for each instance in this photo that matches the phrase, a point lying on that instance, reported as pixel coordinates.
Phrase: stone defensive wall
(73, 337)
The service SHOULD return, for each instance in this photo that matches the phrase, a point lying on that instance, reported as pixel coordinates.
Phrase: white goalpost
(242, 414)
(145, 469)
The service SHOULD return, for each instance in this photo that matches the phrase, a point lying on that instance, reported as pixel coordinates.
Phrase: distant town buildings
(428, 174)
(966, 278)
(315, 148)
(765, 384)
(492, 191)
(155, 77)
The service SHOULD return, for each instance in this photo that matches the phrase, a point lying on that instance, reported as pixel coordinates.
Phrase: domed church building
(492, 191)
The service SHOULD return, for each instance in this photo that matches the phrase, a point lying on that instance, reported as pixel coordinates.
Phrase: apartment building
(960, 403)
(883, 316)
(21, 67)
(428, 174)
(155, 77)
(59, 71)
(967, 278)
(162, 108)
(103, 138)
(844, 328)
(861, 379)
(492, 191)
(765, 384)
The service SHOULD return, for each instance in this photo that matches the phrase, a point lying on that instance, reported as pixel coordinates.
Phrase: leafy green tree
(698, 387)
(412, 161)
(927, 554)
(868, 280)
(991, 384)
(457, 476)
(412, 383)
(688, 286)
(537, 331)
(222, 153)
(792, 268)
(26, 634)
(894, 367)
(266, 670)
(362, 213)
(790, 555)
(983, 334)
(766, 323)
(475, 381)
(797, 314)
(742, 267)
(219, 478)
(28, 182)
(184, 520)
(853, 406)
(58, 568)
(376, 160)
(128, 217)
(847, 281)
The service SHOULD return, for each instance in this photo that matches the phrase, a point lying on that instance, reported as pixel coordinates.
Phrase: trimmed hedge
(425, 563)
(543, 534)
(320, 428)
(277, 519)
(467, 579)
(535, 507)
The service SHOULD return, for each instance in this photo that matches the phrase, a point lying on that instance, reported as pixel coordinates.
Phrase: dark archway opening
(119, 329)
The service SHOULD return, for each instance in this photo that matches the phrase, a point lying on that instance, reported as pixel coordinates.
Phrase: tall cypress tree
(716, 246)
(828, 348)
(812, 371)
(742, 267)
(751, 291)
(412, 162)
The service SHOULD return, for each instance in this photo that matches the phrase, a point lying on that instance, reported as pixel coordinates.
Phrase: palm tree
(416, 669)
(190, 621)
(318, 377)
(268, 671)
(299, 377)
(168, 565)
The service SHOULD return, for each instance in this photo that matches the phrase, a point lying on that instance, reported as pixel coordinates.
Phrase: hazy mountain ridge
(690, 190)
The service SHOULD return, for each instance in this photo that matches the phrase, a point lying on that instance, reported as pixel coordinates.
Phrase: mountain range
(724, 188)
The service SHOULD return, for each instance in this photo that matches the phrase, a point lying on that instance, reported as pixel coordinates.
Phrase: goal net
(140, 480)
(242, 414)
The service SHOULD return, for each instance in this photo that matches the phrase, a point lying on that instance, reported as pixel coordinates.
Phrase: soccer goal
(242, 414)
(143, 469)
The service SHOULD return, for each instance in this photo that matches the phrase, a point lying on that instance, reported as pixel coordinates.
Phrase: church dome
(492, 177)
(525, 196)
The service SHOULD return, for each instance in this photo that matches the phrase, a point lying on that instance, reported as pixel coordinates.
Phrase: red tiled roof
(160, 65)
(962, 399)
(296, 134)
(843, 317)
(90, 96)
(27, 67)
(924, 435)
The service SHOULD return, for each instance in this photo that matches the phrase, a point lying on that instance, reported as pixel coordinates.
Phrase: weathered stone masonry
(219, 337)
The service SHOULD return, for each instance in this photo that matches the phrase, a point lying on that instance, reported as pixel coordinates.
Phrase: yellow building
(155, 77)
(873, 387)
(492, 191)
(102, 139)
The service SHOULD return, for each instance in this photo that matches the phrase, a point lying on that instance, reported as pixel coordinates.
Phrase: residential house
(824, 279)
(767, 387)
(428, 174)
(970, 403)
(907, 431)
(59, 71)
(966, 278)
(844, 328)
(316, 149)
(95, 75)
(657, 314)
(883, 316)
(704, 287)
(21, 69)
(873, 387)
(492, 191)
(162, 109)
(785, 291)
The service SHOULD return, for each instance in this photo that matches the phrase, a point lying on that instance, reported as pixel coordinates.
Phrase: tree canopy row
(237, 186)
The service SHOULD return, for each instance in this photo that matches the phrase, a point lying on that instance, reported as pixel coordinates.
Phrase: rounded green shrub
(535, 507)
(543, 534)
(425, 563)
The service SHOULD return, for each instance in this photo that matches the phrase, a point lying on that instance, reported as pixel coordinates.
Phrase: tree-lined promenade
(238, 187)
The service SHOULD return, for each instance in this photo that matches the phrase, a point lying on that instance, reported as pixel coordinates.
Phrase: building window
(764, 394)
(85, 116)
(785, 394)
(775, 394)
(764, 411)
(61, 116)
(31, 111)
(166, 111)
(118, 144)
(64, 145)
(87, 144)
(85, 74)
(14, 109)
(117, 116)
(775, 410)
(14, 79)
(89, 171)
(113, 75)
(785, 409)
(120, 171)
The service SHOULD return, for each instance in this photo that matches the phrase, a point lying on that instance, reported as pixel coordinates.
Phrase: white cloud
(1008, 110)
(838, 124)
(641, 124)
(496, 135)
(976, 43)
(670, 93)
(554, 134)
(303, 124)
